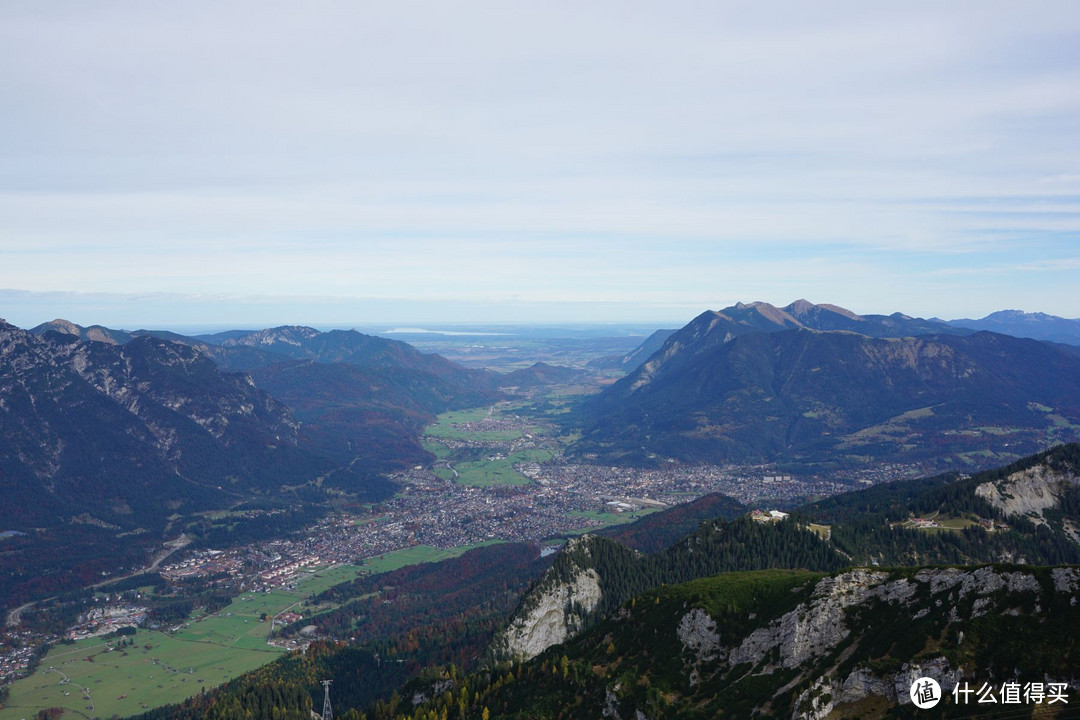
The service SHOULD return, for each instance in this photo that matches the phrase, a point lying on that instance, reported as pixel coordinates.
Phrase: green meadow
(161, 668)
(483, 472)
(448, 425)
(608, 519)
(414, 556)
(500, 471)
(947, 524)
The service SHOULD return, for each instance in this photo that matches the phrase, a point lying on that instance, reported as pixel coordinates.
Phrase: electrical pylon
(327, 713)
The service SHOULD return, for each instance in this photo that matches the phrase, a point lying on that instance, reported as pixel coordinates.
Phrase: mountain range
(132, 433)
(803, 313)
(743, 318)
(1038, 326)
(818, 386)
(240, 350)
(811, 384)
(106, 450)
(111, 432)
(356, 396)
(112, 437)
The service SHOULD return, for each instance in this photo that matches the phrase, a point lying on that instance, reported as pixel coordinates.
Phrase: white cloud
(599, 152)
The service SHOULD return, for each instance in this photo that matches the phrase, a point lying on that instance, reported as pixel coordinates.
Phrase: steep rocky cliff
(795, 644)
(554, 609)
(1031, 492)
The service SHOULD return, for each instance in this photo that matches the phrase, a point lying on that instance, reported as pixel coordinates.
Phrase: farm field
(414, 556)
(483, 424)
(452, 433)
(159, 668)
(610, 519)
(499, 471)
(436, 448)
(494, 441)
(156, 670)
(942, 523)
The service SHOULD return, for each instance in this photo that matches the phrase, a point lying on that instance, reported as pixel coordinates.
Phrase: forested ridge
(867, 525)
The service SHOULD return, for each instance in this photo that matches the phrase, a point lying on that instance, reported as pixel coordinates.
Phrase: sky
(349, 163)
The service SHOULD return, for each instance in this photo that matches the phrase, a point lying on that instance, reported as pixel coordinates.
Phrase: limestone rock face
(699, 637)
(820, 699)
(983, 581)
(858, 586)
(819, 625)
(1029, 493)
(551, 616)
(697, 631)
(1066, 580)
(800, 644)
(863, 683)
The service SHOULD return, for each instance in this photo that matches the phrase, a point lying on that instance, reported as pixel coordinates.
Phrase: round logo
(925, 693)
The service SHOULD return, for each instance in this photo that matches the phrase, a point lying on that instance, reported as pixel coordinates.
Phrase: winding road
(172, 546)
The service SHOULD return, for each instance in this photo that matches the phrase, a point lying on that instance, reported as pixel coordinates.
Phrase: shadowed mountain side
(1038, 326)
(352, 347)
(132, 433)
(540, 374)
(806, 396)
(102, 446)
(631, 360)
(363, 400)
(661, 530)
(364, 416)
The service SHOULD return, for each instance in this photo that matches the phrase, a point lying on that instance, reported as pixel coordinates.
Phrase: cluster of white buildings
(765, 516)
(202, 563)
(105, 620)
(281, 574)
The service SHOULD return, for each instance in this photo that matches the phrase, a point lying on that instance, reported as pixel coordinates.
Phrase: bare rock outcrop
(1029, 492)
(550, 616)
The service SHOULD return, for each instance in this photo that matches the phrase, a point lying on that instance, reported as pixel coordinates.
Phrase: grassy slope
(214, 648)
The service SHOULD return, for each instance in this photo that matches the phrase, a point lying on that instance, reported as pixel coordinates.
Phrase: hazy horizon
(136, 313)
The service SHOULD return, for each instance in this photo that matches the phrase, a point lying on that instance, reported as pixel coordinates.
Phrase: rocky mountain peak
(774, 314)
(284, 334)
(63, 326)
(810, 314)
(799, 307)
